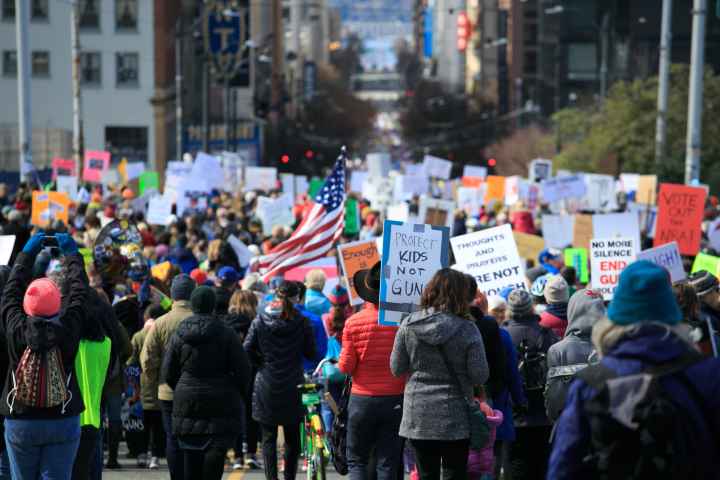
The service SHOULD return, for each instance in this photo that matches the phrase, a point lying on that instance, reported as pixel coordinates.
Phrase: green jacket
(91, 364)
(156, 343)
(148, 394)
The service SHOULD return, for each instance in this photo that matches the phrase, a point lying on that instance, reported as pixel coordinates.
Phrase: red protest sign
(96, 163)
(64, 167)
(680, 213)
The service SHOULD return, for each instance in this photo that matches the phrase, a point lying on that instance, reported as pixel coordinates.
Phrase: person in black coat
(276, 343)
(208, 370)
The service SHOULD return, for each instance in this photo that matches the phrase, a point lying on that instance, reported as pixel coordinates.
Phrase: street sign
(226, 25)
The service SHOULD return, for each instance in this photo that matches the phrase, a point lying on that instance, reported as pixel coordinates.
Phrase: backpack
(558, 384)
(338, 436)
(637, 430)
(533, 364)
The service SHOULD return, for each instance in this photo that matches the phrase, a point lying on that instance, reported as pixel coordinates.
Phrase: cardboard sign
(273, 212)
(469, 200)
(399, 212)
(96, 163)
(356, 181)
(354, 257)
(436, 212)
(134, 170)
(646, 193)
(301, 184)
(599, 193)
(474, 171)
(288, 183)
(706, 262)
(379, 191)
(437, 167)
(495, 189)
(242, 253)
(529, 246)
(582, 231)
(7, 242)
(411, 255)
(352, 217)
(378, 164)
(472, 182)
(612, 225)
(147, 181)
(680, 213)
(539, 170)
(414, 185)
(490, 256)
(48, 207)
(64, 167)
(261, 178)
(558, 230)
(609, 257)
(560, 188)
(67, 185)
(667, 256)
(514, 190)
(159, 210)
(578, 259)
(207, 173)
(629, 182)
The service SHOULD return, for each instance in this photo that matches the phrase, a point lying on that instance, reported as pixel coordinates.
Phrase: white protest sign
(667, 256)
(612, 225)
(469, 200)
(357, 179)
(558, 230)
(260, 178)
(207, 173)
(411, 255)
(7, 242)
(560, 188)
(83, 196)
(378, 164)
(491, 256)
(68, 185)
(415, 169)
(609, 257)
(437, 167)
(301, 185)
(379, 190)
(159, 210)
(288, 183)
(600, 193)
(436, 212)
(629, 182)
(474, 171)
(134, 170)
(399, 194)
(110, 177)
(539, 170)
(275, 212)
(399, 212)
(646, 219)
(241, 251)
(515, 190)
(415, 185)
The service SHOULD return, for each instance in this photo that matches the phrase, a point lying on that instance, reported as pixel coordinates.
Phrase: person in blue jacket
(310, 364)
(642, 331)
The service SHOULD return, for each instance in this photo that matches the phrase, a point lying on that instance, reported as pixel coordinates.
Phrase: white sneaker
(238, 464)
(154, 463)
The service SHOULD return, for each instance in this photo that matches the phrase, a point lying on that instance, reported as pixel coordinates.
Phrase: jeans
(292, 449)
(172, 449)
(204, 456)
(373, 424)
(452, 455)
(529, 453)
(42, 448)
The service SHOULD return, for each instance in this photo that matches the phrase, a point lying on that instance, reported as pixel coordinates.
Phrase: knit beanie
(703, 282)
(182, 287)
(534, 273)
(42, 298)
(519, 304)
(338, 295)
(202, 300)
(199, 276)
(556, 290)
(644, 294)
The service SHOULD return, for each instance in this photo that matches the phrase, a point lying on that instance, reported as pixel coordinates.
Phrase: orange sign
(48, 207)
(680, 213)
(354, 257)
(495, 189)
(472, 182)
(582, 231)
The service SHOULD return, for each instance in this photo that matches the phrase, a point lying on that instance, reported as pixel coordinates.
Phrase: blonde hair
(214, 250)
(606, 334)
(315, 280)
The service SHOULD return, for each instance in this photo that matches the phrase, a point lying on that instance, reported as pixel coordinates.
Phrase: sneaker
(252, 463)
(154, 463)
(142, 460)
(238, 464)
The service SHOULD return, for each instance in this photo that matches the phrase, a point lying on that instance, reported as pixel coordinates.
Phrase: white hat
(495, 301)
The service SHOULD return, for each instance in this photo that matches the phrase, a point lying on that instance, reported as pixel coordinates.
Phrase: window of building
(40, 63)
(9, 63)
(89, 14)
(127, 142)
(126, 14)
(127, 66)
(530, 65)
(90, 68)
(39, 10)
(582, 61)
(8, 10)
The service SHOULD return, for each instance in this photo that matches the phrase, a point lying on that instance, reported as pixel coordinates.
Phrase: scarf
(558, 309)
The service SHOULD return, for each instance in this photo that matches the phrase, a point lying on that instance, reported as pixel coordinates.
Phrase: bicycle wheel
(318, 460)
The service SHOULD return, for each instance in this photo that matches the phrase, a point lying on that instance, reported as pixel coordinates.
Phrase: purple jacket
(651, 345)
(482, 462)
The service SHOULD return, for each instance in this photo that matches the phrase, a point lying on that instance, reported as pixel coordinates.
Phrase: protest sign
(680, 212)
(706, 262)
(64, 167)
(412, 254)
(415, 169)
(354, 257)
(578, 259)
(378, 164)
(7, 242)
(148, 180)
(356, 181)
(273, 212)
(133, 170)
(582, 231)
(560, 188)
(495, 191)
(608, 258)
(437, 167)
(469, 200)
(207, 173)
(48, 207)
(647, 190)
(539, 170)
(490, 256)
(352, 217)
(399, 212)
(96, 163)
(301, 184)
(67, 185)
(288, 183)
(414, 185)
(433, 211)
(242, 253)
(474, 171)
(379, 191)
(110, 177)
(515, 190)
(611, 225)
(159, 210)
(629, 182)
(472, 182)
(529, 246)
(261, 178)
(161, 271)
(599, 193)
(713, 234)
(667, 256)
(558, 230)
(533, 193)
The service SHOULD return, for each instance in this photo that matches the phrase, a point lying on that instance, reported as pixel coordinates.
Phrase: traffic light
(492, 162)
(309, 154)
(285, 158)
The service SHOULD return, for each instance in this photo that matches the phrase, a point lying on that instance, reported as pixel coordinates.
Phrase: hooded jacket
(209, 373)
(435, 408)
(276, 347)
(572, 353)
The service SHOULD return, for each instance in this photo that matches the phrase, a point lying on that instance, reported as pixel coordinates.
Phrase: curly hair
(449, 291)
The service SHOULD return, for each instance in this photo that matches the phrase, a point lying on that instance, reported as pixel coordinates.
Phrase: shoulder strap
(596, 375)
(452, 372)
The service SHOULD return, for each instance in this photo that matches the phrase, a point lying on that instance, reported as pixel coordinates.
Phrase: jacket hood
(271, 316)
(584, 310)
(432, 327)
(649, 343)
(199, 329)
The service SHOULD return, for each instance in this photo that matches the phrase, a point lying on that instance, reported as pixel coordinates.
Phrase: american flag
(317, 232)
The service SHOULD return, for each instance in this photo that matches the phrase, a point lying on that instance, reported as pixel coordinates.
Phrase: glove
(34, 245)
(66, 243)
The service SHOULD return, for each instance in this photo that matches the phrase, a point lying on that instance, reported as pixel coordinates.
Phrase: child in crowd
(481, 463)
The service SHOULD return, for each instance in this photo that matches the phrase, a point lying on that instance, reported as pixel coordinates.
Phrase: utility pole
(276, 81)
(695, 107)
(605, 52)
(663, 82)
(296, 73)
(178, 90)
(22, 20)
(76, 94)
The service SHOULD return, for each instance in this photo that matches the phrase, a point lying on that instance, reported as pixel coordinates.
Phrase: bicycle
(314, 442)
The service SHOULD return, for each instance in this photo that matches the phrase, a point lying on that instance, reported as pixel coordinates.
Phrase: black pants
(153, 434)
(529, 453)
(172, 449)
(502, 462)
(452, 455)
(269, 447)
(252, 430)
(89, 438)
(206, 463)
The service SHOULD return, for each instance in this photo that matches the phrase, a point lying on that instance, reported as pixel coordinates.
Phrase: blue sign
(428, 33)
(226, 35)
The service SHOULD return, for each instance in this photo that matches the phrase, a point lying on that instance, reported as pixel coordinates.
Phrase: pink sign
(63, 167)
(97, 162)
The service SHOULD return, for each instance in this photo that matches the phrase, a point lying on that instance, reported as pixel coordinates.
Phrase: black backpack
(532, 363)
(653, 439)
(338, 436)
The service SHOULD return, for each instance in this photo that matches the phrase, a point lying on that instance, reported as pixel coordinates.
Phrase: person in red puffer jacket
(522, 221)
(375, 408)
(557, 295)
